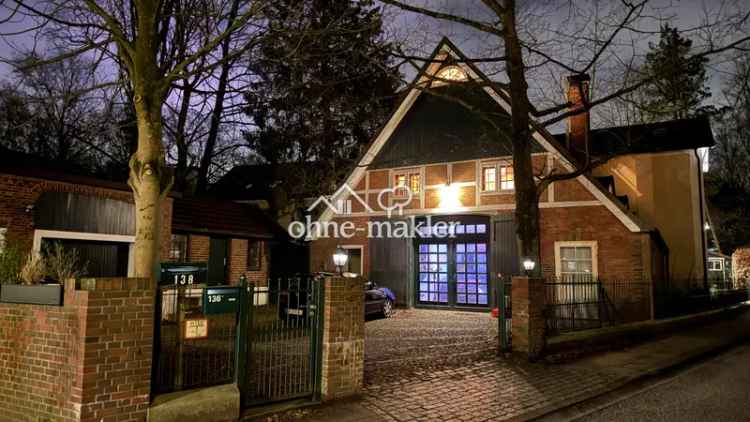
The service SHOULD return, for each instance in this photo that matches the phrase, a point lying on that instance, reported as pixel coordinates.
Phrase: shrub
(11, 261)
(63, 264)
(33, 269)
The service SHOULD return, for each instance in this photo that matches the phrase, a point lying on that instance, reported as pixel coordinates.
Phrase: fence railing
(675, 298)
(574, 304)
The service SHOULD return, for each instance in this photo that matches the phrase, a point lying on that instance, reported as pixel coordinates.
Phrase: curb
(680, 361)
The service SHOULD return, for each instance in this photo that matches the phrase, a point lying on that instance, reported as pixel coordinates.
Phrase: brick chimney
(578, 125)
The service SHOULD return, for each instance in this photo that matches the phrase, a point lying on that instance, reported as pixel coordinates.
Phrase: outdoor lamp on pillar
(339, 258)
(528, 265)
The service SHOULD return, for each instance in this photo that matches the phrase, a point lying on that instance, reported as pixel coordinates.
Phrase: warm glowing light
(449, 197)
(451, 73)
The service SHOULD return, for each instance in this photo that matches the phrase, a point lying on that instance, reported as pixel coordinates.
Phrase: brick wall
(620, 251)
(89, 360)
(199, 248)
(343, 338)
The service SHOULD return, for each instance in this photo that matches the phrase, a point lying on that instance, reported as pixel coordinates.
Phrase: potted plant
(30, 290)
(42, 276)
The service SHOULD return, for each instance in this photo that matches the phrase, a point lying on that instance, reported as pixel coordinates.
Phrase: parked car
(378, 300)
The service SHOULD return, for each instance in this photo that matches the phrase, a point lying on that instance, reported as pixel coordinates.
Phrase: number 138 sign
(179, 274)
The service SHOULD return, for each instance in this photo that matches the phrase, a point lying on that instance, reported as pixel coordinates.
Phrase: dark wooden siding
(83, 213)
(505, 246)
(390, 266)
(100, 259)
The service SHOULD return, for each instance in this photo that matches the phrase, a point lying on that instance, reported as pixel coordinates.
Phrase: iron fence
(675, 298)
(283, 347)
(574, 304)
(194, 349)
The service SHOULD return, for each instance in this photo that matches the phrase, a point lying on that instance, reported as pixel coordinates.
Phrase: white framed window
(411, 179)
(506, 177)
(576, 270)
(489, 178)
(354, 264)
(715, 264)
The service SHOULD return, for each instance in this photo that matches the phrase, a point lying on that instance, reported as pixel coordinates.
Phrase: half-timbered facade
(447, 141)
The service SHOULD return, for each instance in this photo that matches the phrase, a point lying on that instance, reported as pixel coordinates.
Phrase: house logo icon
(389, 200)
(340, 203)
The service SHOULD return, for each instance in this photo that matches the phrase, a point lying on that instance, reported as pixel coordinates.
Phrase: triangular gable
(425, 76)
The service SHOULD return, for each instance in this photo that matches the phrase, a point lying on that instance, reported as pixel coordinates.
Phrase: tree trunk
(150, 180)
(527, 206)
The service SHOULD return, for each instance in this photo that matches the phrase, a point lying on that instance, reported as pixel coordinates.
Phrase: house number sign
(196, 329)
(183, 274)
(220, 300)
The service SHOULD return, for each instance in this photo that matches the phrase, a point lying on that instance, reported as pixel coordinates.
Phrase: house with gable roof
(639, 217)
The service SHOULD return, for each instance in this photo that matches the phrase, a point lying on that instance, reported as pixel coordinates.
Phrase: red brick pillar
(343, 339)
(114, 382)
(528, 324)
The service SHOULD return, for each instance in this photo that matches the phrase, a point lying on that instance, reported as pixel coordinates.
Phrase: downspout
(703, 218)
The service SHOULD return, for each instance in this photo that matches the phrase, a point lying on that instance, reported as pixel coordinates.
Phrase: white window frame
(408, 173)
(593, 244)
(361, 249)
(481, 178)
(563, 289)
(712, 261)
(500, 182)
(39, 235)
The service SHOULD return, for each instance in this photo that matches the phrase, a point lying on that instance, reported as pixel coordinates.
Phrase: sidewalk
(513, 389)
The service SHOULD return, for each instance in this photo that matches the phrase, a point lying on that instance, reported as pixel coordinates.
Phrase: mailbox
(182, 274)
(220, 300)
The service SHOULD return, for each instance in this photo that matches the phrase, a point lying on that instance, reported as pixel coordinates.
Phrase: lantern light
(340, 256)
(528, 265)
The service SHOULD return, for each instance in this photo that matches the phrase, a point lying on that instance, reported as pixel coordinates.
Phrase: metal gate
(283, 326)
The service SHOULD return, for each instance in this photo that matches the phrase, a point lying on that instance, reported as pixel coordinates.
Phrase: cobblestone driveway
(425, 365)
(417, 342)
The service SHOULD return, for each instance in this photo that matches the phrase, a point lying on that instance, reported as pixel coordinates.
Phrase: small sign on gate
(220, 300)
(196, 329)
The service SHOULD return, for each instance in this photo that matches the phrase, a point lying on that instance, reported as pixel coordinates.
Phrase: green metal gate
(281, 326)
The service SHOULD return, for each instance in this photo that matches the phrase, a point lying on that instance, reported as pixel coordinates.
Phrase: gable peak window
(451, 73)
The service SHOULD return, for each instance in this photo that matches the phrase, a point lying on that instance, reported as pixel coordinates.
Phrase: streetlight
(528, 265)
(339, 258)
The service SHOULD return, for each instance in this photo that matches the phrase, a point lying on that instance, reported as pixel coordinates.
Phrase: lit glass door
(433, 273)
(454, 270)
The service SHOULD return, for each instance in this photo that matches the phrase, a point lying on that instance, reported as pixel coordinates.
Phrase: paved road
(715, 390)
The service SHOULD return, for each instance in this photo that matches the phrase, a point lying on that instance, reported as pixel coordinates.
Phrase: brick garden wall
(89, 360)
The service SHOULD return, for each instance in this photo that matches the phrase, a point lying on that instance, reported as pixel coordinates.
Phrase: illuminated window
(506, 177)
(489, 179)
(178, 248)
(452, 73)
(715, 264)
(409, 180)
(414, 183)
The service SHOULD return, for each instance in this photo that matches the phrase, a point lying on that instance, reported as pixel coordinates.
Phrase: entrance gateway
(453, 262)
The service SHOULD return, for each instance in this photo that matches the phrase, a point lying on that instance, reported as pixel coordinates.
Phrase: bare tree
(574, 51)
(143, 37)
